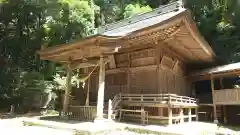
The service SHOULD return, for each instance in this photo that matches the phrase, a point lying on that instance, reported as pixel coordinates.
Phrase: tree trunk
(47, 100)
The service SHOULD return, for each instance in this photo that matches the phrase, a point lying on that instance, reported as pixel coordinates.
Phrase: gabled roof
(141, 21)
(159, 24)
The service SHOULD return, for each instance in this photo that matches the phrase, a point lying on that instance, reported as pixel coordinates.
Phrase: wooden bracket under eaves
(175, 67)
(167, 62)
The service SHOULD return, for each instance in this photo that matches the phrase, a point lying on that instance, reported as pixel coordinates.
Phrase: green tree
(134, 9)
(217, 22)
(28, 26)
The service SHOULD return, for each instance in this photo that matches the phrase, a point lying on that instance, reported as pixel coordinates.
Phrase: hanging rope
(83, 79)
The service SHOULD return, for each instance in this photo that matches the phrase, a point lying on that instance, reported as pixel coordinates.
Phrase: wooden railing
(227, 96)
(160, 98)
(85, 113)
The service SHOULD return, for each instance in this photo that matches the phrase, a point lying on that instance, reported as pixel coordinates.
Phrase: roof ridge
(174, 6)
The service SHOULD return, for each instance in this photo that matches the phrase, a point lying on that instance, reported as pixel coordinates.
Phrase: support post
(213, 100)
(169, 115)
(181, 116)
(143, 115)
(101, 86)
(196, 113)
(110, 109)
(189, 115)
(129, 74)
(160, 110)
(88, 89)
(221, 83)
(224, 115)
(67, 90)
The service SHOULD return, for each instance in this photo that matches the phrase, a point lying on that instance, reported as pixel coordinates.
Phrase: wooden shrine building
(141, 66)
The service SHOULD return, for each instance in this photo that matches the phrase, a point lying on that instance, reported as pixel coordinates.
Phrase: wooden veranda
(221, 97)
(144, 59)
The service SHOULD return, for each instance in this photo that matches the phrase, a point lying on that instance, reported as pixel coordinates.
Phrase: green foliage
(28, 26)
(218, 22)
(60, 81)
(134, 9)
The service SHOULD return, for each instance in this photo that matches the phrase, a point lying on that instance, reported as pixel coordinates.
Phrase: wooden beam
(112, 62)
(85, 63)
(67, 90)
(79, 53)
(215, 75)
(82, 65)
(117, 70)
(213, 100)
(132, 48)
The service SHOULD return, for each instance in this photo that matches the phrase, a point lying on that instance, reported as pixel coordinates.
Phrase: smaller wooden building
(141, 66)
(224, 97)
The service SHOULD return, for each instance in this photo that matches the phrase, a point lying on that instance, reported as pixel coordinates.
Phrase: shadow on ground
(60, 119)
(10, 116)
(232, 127)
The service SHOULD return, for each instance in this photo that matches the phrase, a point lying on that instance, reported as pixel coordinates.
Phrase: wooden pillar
(129, 74)
(88, 89)
(181, 116)
(213, 100)
(67, 90)
(221, 83)
(142, 115)
(196, 113)
(160, 110)
(224, 115)
(157, 69)
(169, 115)
(101, 87)
(110, 109)
(189, 115)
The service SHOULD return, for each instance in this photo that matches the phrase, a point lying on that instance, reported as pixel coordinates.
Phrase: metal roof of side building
(220, 71)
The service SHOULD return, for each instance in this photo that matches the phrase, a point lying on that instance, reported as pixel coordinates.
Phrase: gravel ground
(33, 130)
(122, 133)
(15, 127)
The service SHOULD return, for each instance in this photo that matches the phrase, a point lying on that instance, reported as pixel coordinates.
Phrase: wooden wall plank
(144, 73)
